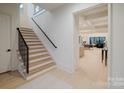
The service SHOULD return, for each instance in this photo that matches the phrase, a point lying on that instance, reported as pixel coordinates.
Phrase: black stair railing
(44, 33)
(24, 50)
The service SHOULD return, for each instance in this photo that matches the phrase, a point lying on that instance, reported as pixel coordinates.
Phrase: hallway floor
(91, 64)
(90, 74)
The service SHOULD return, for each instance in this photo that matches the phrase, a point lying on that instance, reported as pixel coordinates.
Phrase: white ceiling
(94, 19)
(49, 6)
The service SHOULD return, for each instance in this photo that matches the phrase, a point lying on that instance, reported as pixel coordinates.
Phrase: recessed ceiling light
(21, 5)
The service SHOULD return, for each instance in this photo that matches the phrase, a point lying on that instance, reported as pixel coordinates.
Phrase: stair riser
(40, 72)
(39, 54)
(41, 68)
(40, 62)
(36, 47)
(36, 50)
(34, 42)
(40, 59)
(30, 45)
(40, 65)
(28, 29)
(30, 38)
(23, 32)
(28, 35)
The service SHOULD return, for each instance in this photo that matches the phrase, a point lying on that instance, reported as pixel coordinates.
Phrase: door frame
(76, 44)
(10, 65)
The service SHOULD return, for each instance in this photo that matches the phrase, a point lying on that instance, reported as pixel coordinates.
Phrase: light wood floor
(78, 80)
(91, 73)
(11, 80)
(92, 65)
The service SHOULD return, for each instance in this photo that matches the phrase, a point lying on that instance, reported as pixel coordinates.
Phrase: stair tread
(29, 40)
(23, 33)
(33, 53)
(41, 68)
(30, 76)
(33, 41)
(28, 29)
(34, 44)
(36, 47)
(31, 37)
(39, 59)
(40, 56)
(27, 33)
(39, 65)
(25, 28)
(40, 62)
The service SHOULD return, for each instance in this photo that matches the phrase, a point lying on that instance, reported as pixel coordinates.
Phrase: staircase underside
(39, 59)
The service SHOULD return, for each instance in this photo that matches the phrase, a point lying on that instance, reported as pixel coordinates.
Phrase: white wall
(117, 65)
(13, 11)
(25, 15)
(59, 26)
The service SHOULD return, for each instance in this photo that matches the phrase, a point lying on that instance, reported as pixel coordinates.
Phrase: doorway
(4, 43)
(91, 29)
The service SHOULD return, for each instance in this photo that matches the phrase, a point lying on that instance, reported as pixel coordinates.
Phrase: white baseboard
(65, 68)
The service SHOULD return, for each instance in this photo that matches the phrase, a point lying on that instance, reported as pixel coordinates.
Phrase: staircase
(39, 59)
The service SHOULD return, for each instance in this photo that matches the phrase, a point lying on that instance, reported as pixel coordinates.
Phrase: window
(37, 9)
(21, 8)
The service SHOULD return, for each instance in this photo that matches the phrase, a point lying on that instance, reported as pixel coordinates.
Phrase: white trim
(109, 61)
(66, 69)
(109, 36)
(10, 60)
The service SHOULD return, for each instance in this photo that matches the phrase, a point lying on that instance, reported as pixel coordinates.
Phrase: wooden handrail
(44, 33)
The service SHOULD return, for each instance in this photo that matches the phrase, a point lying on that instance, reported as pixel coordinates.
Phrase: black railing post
(24, 50)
